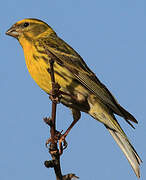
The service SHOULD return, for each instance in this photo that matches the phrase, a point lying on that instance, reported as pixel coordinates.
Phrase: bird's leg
(62, 141)
(55, 96)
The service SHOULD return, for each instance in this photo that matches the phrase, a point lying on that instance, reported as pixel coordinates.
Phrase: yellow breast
(38, 69)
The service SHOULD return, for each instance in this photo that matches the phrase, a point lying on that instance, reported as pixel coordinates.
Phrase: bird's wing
(67, 57)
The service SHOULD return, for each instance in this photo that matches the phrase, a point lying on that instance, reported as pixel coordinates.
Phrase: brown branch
(54, 103)
(53, 149)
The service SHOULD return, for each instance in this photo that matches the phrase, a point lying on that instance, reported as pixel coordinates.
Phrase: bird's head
(29, 29)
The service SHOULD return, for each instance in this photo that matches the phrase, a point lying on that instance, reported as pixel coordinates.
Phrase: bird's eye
(26, 24)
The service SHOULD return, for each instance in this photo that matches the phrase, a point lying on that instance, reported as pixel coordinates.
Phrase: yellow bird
(38, 40)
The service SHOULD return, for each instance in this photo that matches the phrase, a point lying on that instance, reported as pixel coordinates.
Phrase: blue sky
(111, 37)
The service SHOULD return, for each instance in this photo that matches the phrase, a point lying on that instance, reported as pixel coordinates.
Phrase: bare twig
(53, 149)
(53, 128)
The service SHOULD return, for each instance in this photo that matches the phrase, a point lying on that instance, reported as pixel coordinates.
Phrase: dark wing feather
(71, 60)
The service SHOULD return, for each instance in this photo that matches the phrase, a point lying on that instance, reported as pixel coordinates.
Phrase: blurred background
(111, 38)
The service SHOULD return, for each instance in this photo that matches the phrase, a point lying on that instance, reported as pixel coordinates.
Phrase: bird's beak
(13, 32)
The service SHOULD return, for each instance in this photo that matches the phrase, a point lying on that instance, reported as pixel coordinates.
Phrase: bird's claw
(61, 141)
(55, 99)
(48, 142)
(62, 144)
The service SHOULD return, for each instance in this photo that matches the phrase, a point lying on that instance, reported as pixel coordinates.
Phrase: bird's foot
(60, 139)
(56, 138)
(62, 144)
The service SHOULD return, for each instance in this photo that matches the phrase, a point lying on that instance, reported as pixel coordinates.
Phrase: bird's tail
(128, 150)
(102, 113)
